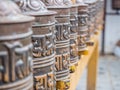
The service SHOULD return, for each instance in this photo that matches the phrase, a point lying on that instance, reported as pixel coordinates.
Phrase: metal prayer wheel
(97, 15)
(91, 9)
(83, 32)
(62, 42)
(73, 34)
(100, 14)
(116, 4)
(91, 20)
(43, 40)
(15, 48)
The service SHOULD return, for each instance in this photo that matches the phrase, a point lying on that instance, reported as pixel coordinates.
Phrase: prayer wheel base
(85, 52)
(72, 68)
(61, 85)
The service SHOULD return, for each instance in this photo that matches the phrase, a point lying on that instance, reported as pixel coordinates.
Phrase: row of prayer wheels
(42, 41)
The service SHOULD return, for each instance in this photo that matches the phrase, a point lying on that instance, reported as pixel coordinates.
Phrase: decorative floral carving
(53, 2)
(31, 5)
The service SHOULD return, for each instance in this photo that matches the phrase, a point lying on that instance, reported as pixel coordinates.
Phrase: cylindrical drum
(15, 48)
(43, 40)
(99, 14)
(83, 32)
(73, 34)
(91, 9)
(95, 15)
(62, 42)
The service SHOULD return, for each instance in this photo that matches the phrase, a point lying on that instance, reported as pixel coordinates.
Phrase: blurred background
(109, 61)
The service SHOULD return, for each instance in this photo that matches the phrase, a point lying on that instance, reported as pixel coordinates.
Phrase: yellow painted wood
(82, 64)
(92, 70)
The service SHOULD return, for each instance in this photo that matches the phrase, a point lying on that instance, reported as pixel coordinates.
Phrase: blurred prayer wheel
(43, 40)
(62, 42)
(97, 16)
(73, 34)
(91, 19)
(15, 48)
(83, 33)
(100, 14)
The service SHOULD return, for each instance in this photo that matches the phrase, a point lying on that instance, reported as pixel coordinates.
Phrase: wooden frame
(90, 61)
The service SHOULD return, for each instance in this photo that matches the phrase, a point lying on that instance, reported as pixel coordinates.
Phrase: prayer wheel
(100, 14)
(15, 48)
(97, 17)
(62, 42)
(43, 40)
(91, 19)
(73, 34)
(83, 32)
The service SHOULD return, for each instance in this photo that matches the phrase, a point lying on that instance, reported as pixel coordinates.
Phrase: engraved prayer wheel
(73, 34)
(94, 12)
(44, 51)
(100, 14)
(15, 48)
(91, 20)
(95, 16)
(116, 4)
(43, 40)
(83, 32)
(91, 9)
(62, 42)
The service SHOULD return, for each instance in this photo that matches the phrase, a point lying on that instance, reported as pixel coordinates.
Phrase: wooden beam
(92, 70)
(82, 64)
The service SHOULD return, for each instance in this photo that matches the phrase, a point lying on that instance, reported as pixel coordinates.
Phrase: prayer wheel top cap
(90, 1)
(55, 4)
(34, 7)
(70, 3)
(10, 13)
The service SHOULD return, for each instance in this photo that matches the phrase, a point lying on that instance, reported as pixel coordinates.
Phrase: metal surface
(83, 32)
(43, 40)
(96, 15)
(91, 9)
(99, 14)
(15, 48)
(73, 33)
(62, 42)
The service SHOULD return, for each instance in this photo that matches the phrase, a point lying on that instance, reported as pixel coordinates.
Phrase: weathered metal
(99, 14)
(73, 34)
(96, 15)
(92, 10)
(43, 40)
(83, 32)
(62, 41)
(15, 48)
(91, 19)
